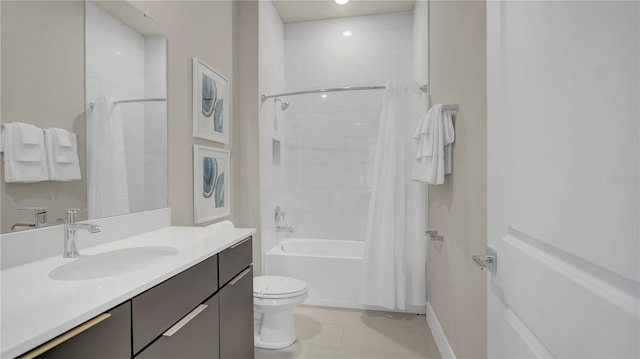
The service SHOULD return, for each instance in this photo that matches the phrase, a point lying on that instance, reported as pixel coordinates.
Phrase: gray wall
(246, 201)
(44, 93)
(223, 34)
(457, 209)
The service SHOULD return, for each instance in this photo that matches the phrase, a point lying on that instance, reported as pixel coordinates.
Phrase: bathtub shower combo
(327, 182)
(332, 269)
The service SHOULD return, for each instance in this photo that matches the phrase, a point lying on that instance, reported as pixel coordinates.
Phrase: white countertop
(37, 308)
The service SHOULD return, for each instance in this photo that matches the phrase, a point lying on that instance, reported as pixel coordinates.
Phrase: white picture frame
(211, 103)
(211, 183)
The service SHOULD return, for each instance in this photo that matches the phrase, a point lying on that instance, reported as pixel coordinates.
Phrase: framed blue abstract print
(211, 103)
(210, 184)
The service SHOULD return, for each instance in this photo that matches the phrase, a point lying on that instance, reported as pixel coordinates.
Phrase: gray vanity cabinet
(157, 309)
(236, 301)
(236, 317)
(106, 336)
(196, 336)
(205, 311)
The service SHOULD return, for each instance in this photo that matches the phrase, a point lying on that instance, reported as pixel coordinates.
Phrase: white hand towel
(62, 160)
(29, 134)
(64, 137)
(435, 135)
(449, 136)
(24, 153)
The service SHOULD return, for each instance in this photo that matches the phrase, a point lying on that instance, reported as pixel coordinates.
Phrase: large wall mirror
(84, 111)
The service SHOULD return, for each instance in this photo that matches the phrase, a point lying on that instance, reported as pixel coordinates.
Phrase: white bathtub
(332, 269)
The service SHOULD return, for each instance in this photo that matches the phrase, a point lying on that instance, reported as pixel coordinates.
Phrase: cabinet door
(236, 317)
(234, 259)
(109, 338)
(163, 305)
(194, 336)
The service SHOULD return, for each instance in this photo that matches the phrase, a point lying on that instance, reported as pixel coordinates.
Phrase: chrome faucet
(70, 227)
(288, 229)
(40, 218)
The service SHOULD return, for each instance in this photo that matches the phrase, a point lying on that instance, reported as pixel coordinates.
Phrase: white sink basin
(111, 263)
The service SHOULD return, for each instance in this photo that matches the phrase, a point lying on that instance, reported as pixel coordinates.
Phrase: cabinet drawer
(192, 337)
(236, 317)
(163, 305)
(109, 338)
(234, 259)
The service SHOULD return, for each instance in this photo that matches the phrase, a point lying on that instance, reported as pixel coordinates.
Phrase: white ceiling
(306, 10)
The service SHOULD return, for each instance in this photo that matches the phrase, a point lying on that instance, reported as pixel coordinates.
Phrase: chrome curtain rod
(136, 100)
(424, 88)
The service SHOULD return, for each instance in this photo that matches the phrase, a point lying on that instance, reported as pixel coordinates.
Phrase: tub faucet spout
(288, 229)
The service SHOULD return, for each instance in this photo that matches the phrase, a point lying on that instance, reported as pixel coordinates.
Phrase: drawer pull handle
(66, 336)
(241, 242)
(184, 321)
(240, 276)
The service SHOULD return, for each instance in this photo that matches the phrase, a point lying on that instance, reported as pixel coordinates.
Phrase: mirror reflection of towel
(62, 155)
(24, 153)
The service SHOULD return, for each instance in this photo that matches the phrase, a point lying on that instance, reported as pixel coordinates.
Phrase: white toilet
(273, 300)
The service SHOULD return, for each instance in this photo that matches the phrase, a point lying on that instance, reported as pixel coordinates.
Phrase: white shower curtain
(395, 255)
(107, 183)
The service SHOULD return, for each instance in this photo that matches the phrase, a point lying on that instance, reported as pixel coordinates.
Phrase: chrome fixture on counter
(70, 227)
(39, 220)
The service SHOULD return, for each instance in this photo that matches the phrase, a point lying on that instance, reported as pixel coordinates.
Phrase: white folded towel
(62, 155)
(24, 153)
(435, 135)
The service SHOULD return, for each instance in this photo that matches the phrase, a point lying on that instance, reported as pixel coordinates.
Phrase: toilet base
(273, 300)
(273, 327)
(259, 344)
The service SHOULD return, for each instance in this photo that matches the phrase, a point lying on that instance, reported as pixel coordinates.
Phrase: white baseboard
(446, 351)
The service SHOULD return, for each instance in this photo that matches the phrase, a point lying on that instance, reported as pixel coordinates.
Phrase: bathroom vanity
(175, 292)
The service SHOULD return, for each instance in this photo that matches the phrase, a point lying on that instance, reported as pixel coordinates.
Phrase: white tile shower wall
(115, 67)
(272, 119)
(330, 141)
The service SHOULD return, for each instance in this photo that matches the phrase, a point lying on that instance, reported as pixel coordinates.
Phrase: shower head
(283, 105)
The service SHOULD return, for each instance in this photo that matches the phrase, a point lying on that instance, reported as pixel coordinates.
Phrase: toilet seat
(277, 287)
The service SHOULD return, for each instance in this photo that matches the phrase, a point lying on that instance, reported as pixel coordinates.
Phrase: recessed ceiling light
(347, 33)
(324, 96)
(341, 2)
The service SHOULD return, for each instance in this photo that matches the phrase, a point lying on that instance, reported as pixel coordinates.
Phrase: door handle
(240, 276)
(66, 336)
(240, 243)
(184, 321)
(488, 261)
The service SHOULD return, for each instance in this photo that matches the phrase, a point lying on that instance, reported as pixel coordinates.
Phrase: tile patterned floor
(348, 333)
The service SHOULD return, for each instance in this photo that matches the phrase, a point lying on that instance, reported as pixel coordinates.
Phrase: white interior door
(563, 166)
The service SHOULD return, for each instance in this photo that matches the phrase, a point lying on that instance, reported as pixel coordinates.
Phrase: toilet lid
(271, 286)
